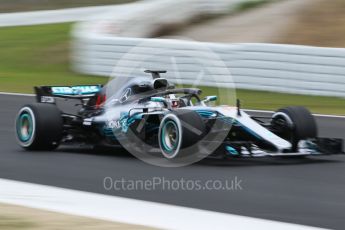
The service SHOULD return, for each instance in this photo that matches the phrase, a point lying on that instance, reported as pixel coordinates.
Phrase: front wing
(317, 147)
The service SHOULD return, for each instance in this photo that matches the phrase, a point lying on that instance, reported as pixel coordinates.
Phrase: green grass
(39, 55)
(273, 101)
(243, 6)
(261, 100)
(29, 5)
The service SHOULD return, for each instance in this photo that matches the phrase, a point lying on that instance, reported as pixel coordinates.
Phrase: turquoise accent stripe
(205, 113)
(76, 90)
(231, 150)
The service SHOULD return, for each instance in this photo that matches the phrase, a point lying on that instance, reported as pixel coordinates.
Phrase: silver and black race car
(150, 115)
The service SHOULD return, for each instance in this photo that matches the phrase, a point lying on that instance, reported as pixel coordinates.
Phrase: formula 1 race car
(150, 111)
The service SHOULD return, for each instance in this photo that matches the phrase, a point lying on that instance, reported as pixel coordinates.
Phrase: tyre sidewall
(301, 122)
(48, 125)
(187, 138)
(170, 118)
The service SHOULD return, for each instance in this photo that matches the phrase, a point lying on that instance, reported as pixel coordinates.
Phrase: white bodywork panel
(256, 128)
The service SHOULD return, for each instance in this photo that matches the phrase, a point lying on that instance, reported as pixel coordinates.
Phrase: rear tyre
(295, 123)
(39, 127)
(179, 130)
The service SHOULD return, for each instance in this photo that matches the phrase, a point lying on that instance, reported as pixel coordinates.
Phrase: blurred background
(81, 45)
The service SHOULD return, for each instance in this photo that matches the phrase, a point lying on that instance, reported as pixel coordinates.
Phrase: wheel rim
(170, 136)
(24, 127)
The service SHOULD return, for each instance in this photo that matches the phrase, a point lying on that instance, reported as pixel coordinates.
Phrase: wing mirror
(161, 99)
(158, 99)
(210, 98)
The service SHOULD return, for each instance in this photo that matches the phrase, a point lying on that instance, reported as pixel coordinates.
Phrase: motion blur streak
(55, 16)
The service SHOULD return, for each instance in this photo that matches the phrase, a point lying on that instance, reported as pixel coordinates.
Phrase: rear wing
(46, 94)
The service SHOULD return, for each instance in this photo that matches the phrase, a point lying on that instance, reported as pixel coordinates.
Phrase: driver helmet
(174, 102)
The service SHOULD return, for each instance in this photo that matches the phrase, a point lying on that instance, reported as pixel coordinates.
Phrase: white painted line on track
(247, 110)
(18, 94)
(271, 112)
(112, 208)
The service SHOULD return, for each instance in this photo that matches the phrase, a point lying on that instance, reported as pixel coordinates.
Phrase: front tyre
(39, 127)
(295, 123)
(170, 136)
(179, 130)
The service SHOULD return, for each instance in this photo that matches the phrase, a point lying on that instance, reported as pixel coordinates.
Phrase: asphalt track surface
(309, 191)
